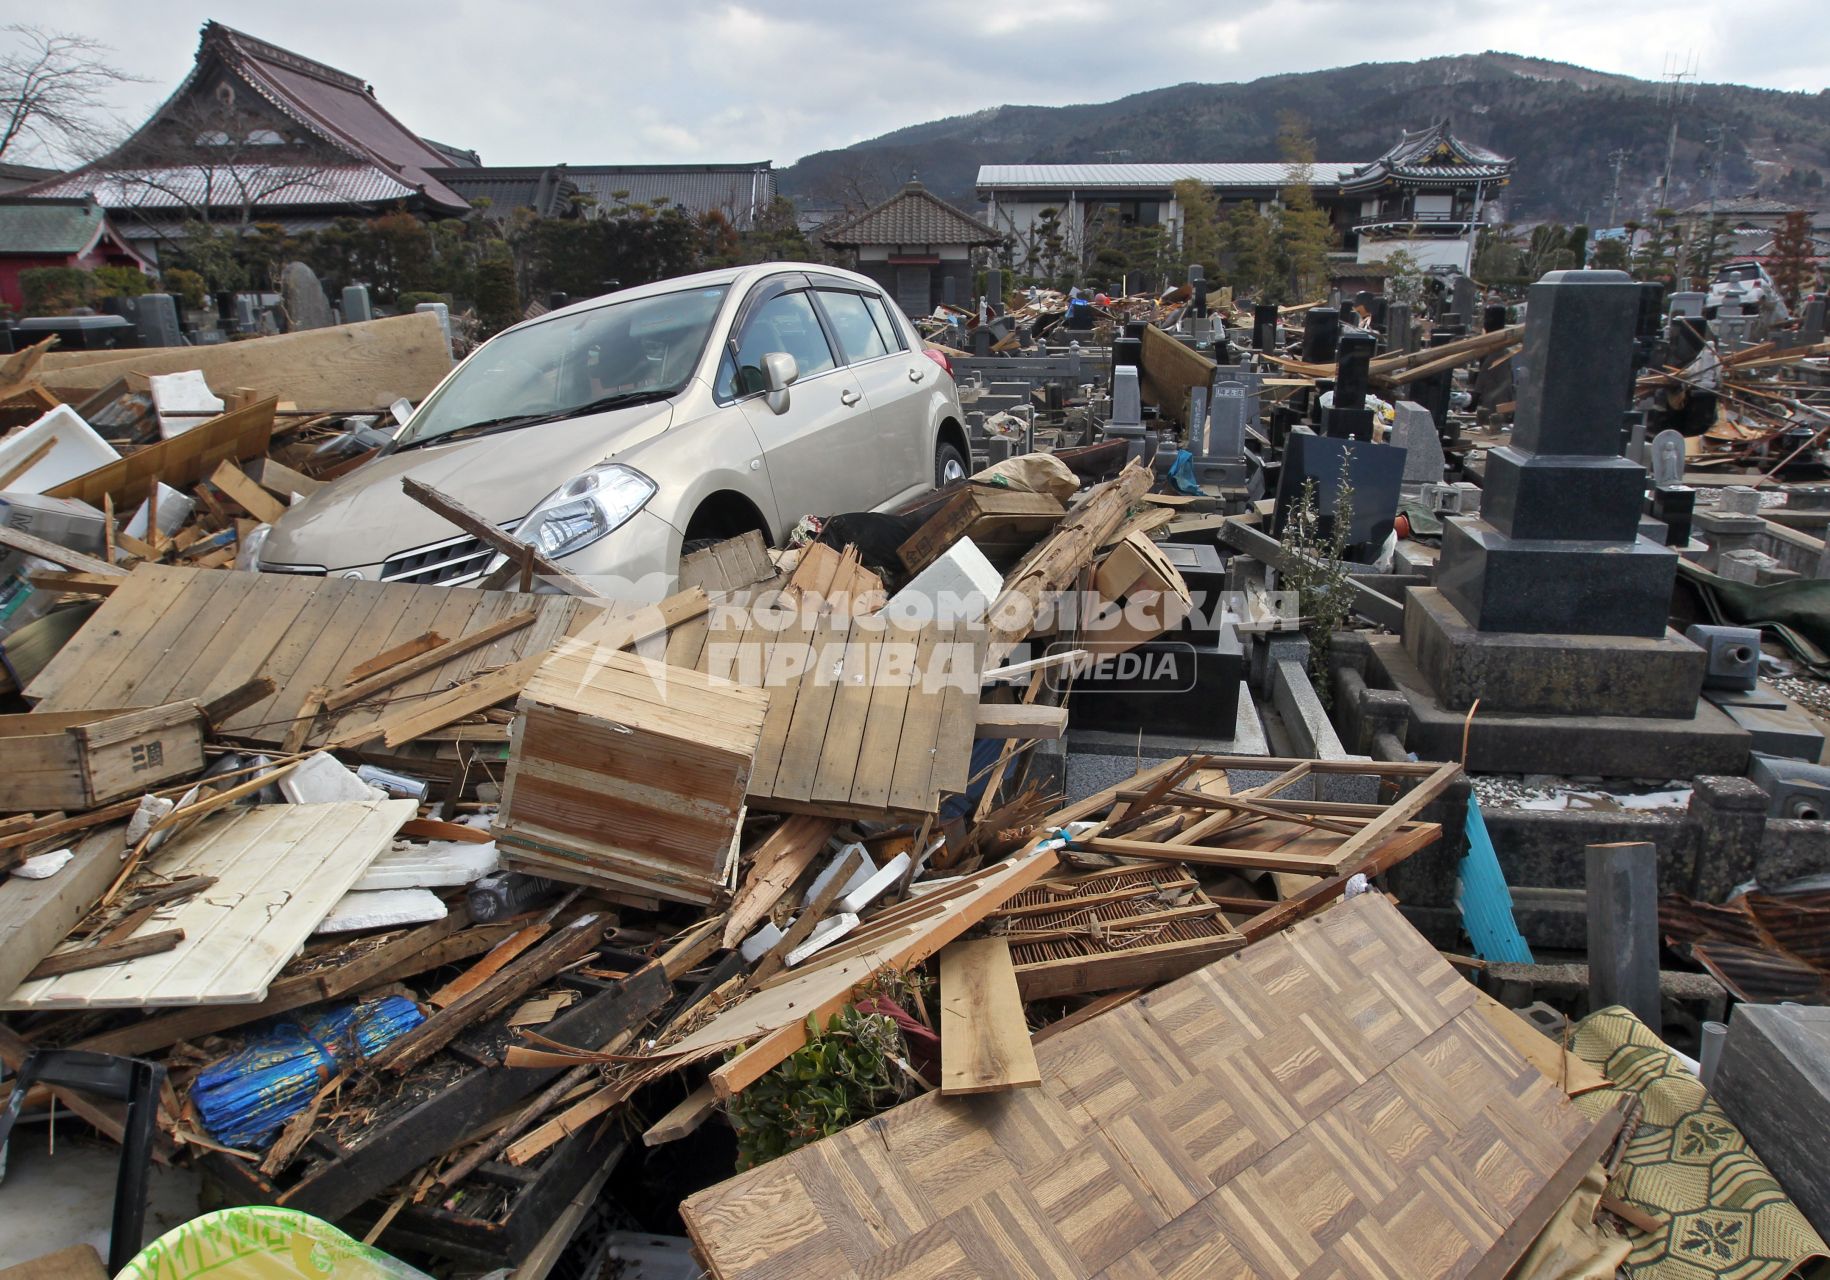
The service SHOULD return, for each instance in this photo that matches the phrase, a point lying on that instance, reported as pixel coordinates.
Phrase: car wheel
(949, 466)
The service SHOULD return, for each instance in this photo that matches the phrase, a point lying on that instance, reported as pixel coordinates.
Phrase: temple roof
(1429, 156)
(913, 215)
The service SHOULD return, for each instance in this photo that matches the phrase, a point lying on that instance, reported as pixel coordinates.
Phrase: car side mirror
(778, 370)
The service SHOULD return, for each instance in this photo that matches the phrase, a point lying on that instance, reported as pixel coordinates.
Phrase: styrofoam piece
(866, 869)
(381, 909)
(151, 809)
(174, 509)
(825, 933)
(320, 779)
(959, 586)
(876, 886)
(441, 865)
(77, 450)
(757, 945)
(44, 865)
(183, 401)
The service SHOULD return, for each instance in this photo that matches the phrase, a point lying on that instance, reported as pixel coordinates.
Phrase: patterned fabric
(1688, 1163)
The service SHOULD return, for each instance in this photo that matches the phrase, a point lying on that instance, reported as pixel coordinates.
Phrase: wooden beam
(388, 657)
(984, 1039)
(32, 545)
(477, 527)
(111, 953)
(407, 668)
(1020, 720)
(253, 499)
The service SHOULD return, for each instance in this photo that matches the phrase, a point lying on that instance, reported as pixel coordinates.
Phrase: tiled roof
(49, 227)
(543, 188)
(1105, 177)
(1431, 155)
(739, 191)
(277, 185)
(388, 161)
(913, 215)
(1736, 206)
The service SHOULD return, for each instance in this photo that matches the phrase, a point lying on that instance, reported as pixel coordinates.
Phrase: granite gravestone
(1375, 471)
(303, 297)
(1414, 431)
(1556, 548)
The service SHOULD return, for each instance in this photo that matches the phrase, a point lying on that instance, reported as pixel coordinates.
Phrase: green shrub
(121, 282)
(407, 301)
(188, 285)
(52, 291)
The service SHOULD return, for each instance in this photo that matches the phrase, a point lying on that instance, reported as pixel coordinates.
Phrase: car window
(783, 323)
(856, 330)
(892, 334)
(642, 347)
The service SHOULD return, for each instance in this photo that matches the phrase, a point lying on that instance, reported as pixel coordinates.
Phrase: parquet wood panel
(170, 633)
(1328, 1102)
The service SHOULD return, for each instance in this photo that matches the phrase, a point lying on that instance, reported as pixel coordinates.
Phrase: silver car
(617, 432)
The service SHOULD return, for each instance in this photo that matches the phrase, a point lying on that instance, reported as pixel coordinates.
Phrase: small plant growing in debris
(850, 1070)
(1317, 542)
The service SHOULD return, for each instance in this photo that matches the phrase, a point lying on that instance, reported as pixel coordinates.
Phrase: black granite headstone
(1321, 331)
(1376, 472)
(1264, 326)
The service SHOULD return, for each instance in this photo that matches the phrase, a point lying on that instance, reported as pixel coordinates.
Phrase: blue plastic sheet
(244, 1099)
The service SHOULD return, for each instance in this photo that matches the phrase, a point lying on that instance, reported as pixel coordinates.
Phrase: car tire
(949, 465)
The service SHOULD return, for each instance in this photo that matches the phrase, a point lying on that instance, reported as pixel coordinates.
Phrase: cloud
(699, 80)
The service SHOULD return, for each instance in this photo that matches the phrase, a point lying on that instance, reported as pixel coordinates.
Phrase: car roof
(739, 278)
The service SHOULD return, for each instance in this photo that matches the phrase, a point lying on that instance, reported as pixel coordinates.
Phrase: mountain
(1562, 123)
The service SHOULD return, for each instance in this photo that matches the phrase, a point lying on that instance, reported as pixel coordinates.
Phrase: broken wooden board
(35, 915)
(181, 462)
(984, 1039)
(1132, 926)
(84, 759)
(999, 521)
(278, 869)
(368, 365)
(867, 715)
(628, 772)
(730, 565)
(1327, 1102)
(171, 633)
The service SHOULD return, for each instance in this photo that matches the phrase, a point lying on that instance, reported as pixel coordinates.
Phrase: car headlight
(248, 550)
(585, 508)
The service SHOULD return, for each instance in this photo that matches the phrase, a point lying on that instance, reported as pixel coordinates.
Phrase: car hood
(366, 516)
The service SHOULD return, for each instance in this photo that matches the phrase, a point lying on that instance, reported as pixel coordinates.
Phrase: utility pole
(1714, 168)
(1676, 93)
(1619, 158)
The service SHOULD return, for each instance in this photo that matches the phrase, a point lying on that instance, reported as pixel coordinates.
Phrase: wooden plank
(81, 958)
(776, 863)
(424, 642)
(802, 748)
(148, 636)
(278, 869)
(871, 784)
(839, 755)
(984, 1040)
(477, 527)
(31, 545)
(408, 667)
(1019, 720)
(181, 462)
(910, 787)
(951, 771)
(35, 915)
(785, 676)
(367, 365)
(255, 500)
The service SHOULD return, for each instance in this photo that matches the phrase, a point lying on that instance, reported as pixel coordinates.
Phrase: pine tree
(1200, 212)
(1245, 237)
(1304, 234)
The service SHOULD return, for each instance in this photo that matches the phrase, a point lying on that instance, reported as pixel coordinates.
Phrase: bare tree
(51, 88)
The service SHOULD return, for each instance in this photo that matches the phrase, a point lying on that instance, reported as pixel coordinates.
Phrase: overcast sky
(542, 81)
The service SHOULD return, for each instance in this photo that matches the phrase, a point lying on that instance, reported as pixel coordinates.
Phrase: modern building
(741, 192)
(71, 232)
(257, 133)
(916, 245)
(1426, 195)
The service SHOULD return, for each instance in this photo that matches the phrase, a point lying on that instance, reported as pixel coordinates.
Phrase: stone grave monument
(1549, 607)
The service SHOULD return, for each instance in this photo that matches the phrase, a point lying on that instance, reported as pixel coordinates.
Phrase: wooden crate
(629, 773)
(1146, 593)
(1003, 523)
(80, 759)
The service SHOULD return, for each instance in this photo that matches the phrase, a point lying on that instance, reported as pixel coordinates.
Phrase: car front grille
(442, 564)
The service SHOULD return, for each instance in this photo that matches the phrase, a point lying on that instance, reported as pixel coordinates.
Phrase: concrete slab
(1609, 746)
(1098, 758)
(52, 1199)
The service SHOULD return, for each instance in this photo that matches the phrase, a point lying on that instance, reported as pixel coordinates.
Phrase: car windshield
(625, 352)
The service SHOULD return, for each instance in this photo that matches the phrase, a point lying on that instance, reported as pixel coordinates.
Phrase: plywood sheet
(278, 870)
(1328, 1102)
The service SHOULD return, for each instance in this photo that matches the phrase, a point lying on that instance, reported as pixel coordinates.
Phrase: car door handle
(916, 375)
(849, 397)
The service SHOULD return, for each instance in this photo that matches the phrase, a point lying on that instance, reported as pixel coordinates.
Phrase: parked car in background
(1758, 293)
(618, 432)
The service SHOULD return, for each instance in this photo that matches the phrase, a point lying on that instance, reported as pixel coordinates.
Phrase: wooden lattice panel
(1327, 1102)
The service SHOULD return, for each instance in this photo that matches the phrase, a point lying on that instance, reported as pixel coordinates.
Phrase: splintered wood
(629, 772)
(1327, 1102)
(170, 633)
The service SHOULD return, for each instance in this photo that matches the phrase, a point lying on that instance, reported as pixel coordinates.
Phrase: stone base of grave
(1707, 742)
(1547, 587)
(1527, 674)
